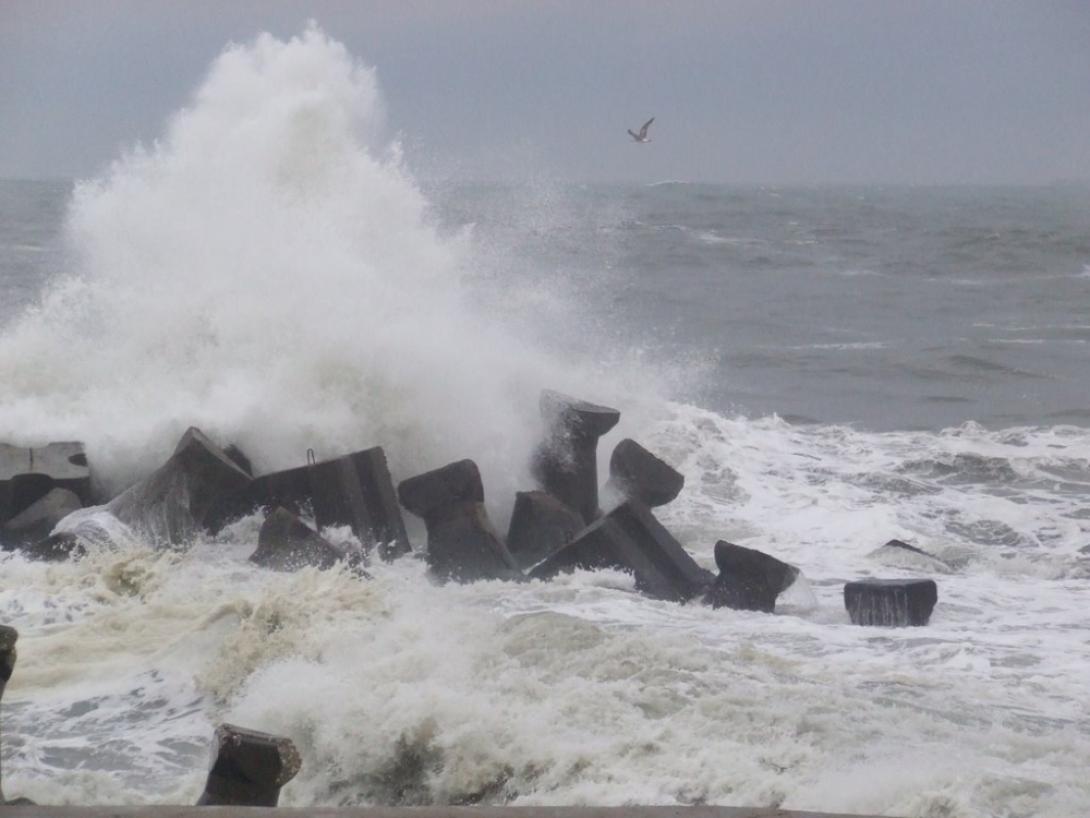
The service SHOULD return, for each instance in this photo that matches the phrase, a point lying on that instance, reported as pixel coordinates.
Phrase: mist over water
(271, 271)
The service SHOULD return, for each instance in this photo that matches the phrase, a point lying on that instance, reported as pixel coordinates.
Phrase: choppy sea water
(830, 368)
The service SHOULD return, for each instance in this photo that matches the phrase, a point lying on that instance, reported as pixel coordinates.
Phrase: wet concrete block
(249, 768)
(28, 474)
(170, 506)
(35, 522)
(463, 545)
(286, 543)
(8, 638)
(566, 463)
(356, 490)
(639, 475)
(540, 526)
(239, 458)
(631, 539)
(891, 602)
(749, 580)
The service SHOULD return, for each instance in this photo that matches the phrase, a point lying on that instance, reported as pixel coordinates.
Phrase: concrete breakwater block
(8, 638)
(566, 463)
(249, 768)
(36, 521)
(28, 474)
(631, 539)
(286, 543)
(354, 490)
(891, 602)
(171, 505)
(540, 526)
(749, 580)
(638, 475)
(463, 545)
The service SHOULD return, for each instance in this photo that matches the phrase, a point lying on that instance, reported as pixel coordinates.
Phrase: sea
(830, 367)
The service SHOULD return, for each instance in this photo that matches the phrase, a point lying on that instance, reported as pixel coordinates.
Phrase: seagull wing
(635, 136)
(646, 125)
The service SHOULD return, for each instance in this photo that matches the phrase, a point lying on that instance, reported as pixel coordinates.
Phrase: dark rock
(286, 543)
(462, 543)
(35, 522)
(566, 464)
(890, 602)
(354, 490)
(249, 768)
(749, 580)
(28, 474)
(171, 505)
(631, 539)
(540, 526)
(639, 475)
(239, 458)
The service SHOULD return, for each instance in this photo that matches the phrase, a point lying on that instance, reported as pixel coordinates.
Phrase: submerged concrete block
(631, 539)
(286, 543)
(540, 526)
(171, 505)
(462, 543)
(639, 475)
(28, 474)
(35, 522)
(749, 580)
(249, 768)
(891, 602)
(566, 463)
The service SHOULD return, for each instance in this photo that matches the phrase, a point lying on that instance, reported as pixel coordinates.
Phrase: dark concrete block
(56, 547)
(170, 506)
(540, 526)
(286, 543)
(35, 522)
(631, 539)
(639, 475)
(8, 638)
(566, 463)
(239, 458)
(891, 602)
(749, 580)
(249, 768)
(28, 474)
(354, 490)
(431, 494)
(462, 543)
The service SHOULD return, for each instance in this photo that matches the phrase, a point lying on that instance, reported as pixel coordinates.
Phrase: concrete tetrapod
(462, 543)
(8, 638)
(36, 521)
(637, 474)
(28, 474)
(631, 539)
(249, 768)
(171, 504)
(891, 602)
(540, 526)
(566, 463)
(749, 580)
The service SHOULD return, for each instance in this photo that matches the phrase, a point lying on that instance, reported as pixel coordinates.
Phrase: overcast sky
(766, 91)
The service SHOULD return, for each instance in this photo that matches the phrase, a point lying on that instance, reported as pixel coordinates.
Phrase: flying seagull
(642, 135)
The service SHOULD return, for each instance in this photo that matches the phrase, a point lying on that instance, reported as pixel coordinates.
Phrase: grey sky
(775, 91)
